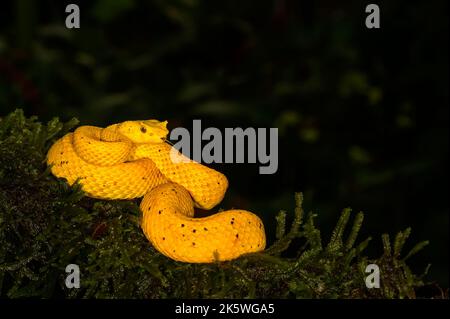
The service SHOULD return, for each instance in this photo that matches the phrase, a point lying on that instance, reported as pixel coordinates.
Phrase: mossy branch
(45, 225)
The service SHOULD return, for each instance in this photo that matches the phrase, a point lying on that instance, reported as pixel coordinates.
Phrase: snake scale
(131, 160)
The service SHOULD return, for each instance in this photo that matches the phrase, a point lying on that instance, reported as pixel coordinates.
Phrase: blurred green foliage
(362, 114)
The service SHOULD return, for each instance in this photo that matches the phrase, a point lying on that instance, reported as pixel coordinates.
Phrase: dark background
(362, 114)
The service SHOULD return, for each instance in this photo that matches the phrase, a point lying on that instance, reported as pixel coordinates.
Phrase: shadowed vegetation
(46, 225)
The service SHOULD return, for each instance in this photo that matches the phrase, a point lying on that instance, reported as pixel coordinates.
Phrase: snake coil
(131, 160)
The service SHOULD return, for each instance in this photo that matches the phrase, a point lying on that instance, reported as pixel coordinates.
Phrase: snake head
(147, 131)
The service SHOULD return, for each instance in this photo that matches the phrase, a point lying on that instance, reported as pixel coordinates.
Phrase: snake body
(132, 160)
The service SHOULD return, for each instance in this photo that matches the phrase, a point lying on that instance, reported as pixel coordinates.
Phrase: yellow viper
(132, 159)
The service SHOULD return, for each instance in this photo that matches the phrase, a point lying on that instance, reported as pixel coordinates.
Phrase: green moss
(46, 225)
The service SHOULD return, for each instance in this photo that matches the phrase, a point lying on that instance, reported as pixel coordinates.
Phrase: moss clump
(46, 225)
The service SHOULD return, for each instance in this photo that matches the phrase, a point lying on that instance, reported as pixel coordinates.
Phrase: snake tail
(169, 225)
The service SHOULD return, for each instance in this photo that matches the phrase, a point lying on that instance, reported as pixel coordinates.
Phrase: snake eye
(143, 129)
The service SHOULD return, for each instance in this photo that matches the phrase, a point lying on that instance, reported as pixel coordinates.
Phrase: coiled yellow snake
(132, 159)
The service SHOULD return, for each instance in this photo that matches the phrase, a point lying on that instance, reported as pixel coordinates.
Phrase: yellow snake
(132, 159)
